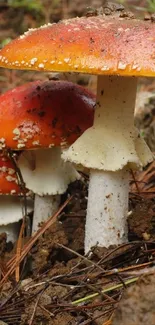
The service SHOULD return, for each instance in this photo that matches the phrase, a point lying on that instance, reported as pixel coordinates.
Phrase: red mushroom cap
(8, 179)
(44, 114)
(96, 45)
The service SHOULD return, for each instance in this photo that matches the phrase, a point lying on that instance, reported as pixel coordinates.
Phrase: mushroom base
(106, 222)
(44, 207)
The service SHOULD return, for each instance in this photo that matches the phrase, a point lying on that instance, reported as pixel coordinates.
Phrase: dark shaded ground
(138, 304)
(56, 273)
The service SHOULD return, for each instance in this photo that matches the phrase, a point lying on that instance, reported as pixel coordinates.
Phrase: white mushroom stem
(48, 176)
(109, 148)
(106, 222)
(44, 207)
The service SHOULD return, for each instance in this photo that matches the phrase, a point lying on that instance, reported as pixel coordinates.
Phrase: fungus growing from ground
(10, 200)
(118, 51)
(45, 116)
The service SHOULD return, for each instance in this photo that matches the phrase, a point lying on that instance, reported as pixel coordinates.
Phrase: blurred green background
(16, 16)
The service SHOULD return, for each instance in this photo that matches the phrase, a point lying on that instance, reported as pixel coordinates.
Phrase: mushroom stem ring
(110, 148)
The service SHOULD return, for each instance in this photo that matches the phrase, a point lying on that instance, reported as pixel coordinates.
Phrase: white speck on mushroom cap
(66, 60)
(105, 68)
(21, 140)
(16, 131)
(2, 143)
(13, 192)
(121, 66)
(41, 65)
(20, 145)
(36, 143)
(10, 178)
(11, 171)
(4, 169)
(2, 140)
(33, 61)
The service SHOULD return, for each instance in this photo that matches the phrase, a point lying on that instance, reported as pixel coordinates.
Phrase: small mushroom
(10, 200)
(42, 118)
(118, 51)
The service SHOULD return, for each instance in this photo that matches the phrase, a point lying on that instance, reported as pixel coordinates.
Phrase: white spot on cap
(36, 143)
(20, 145)
(4, 169)
(41, 65)
(135, 67)
(13, 192)
(2, 140)
(10, 178)
(11, 171)
(33, 61)
(66, 60)
(105, 68)
(2, 145)
(16, 131)
(121, 66)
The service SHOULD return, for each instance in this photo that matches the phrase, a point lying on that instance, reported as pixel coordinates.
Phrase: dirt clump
(137, 306)
(141, 220)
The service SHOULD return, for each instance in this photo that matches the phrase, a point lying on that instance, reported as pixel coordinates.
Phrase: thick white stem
(106, 222)
(111, 145)
(44, 207)
(107, 209)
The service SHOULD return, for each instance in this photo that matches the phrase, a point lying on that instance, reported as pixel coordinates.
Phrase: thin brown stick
(18, 251)
(34, 238)
(134, 178)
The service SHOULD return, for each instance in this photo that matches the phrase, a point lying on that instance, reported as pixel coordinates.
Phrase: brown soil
(56, 273)
(137, 306)
(141, 220)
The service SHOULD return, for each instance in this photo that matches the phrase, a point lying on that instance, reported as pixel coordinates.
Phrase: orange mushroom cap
(96, 45)
(44, 114)
(8, 178)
